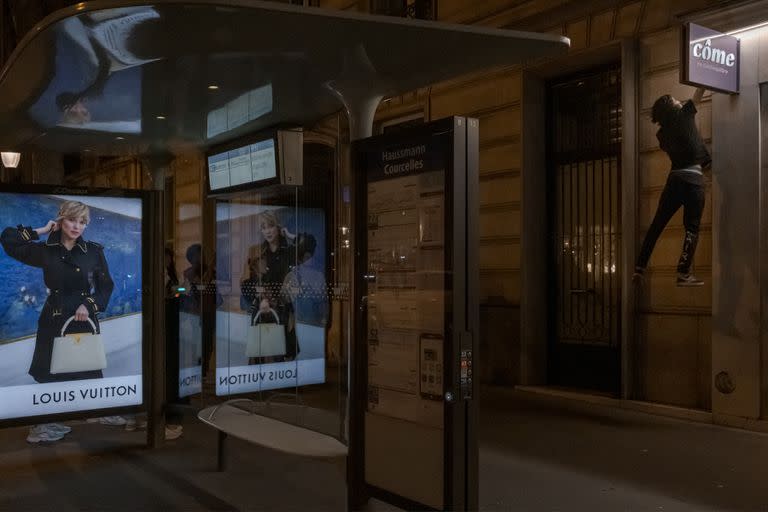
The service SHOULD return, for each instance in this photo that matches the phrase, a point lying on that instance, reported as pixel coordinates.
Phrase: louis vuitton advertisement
(70, 303)
(271, 324)
(194, 296)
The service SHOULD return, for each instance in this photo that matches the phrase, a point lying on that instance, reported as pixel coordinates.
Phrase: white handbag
(78, 352)
(265, 340)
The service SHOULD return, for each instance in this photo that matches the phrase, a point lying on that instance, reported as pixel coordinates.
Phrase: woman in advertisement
(77, 276)
(274, 260)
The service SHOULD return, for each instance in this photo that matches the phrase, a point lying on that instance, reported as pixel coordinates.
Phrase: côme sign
(710, 59)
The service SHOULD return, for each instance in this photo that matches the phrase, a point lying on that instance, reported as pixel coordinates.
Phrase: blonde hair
(255, 253)
(74, 210)
(269, 218)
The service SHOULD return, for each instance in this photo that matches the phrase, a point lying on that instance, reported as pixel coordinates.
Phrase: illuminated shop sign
(709, 59)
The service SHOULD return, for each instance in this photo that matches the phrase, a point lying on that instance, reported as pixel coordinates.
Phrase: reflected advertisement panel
(271, 328)
(70, 303)
(97, 81)
(193, 299)
(243, 109)
(190, 352)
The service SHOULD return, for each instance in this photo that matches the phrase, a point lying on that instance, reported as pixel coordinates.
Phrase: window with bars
(585, 188)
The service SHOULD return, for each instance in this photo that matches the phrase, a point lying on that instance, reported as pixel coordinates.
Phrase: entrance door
(584, 180)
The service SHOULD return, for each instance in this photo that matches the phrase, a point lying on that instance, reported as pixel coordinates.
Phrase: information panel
(416, 321)
(406, 304)
(405, 317)
(246, 164)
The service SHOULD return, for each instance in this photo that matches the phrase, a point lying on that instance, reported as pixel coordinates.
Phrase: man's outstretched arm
(697, 96)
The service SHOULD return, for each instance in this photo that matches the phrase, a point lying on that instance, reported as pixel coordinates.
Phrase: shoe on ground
(43, 434)
(688, 280)
(132, 424)
(113, 421)
(173, 432)
(59, 428)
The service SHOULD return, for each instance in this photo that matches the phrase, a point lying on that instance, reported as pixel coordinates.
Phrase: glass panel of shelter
(277, 291)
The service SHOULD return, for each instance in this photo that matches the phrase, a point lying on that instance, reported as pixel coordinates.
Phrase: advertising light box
(271, 326)
(71, 325)
(193, 298)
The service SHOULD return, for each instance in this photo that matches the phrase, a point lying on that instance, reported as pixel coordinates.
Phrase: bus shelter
(305, 320)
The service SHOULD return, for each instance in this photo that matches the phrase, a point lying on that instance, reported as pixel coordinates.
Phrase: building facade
(570, 165)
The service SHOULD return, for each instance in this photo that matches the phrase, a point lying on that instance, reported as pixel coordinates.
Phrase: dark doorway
(584, 194)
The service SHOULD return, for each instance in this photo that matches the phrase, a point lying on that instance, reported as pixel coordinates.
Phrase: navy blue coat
(74, 277)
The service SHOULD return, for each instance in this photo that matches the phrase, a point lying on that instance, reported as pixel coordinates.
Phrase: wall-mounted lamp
(10, 159)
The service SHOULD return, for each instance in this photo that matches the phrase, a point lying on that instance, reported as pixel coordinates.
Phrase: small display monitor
(266, 158)
(243, 165)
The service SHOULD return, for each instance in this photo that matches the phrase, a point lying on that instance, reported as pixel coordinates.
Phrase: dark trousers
(682, 189)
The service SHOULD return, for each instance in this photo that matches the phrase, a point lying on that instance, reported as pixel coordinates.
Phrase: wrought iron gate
(584, 149)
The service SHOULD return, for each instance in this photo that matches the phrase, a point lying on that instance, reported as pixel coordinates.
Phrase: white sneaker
(113, 421)
(173, 432)
(132, 424)
(688, 280)
(59, 428)
(39, 433)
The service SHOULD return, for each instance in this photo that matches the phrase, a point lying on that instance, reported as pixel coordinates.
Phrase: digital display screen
(70, 303)
(97, 81)
(246, 164)
(274, 305)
